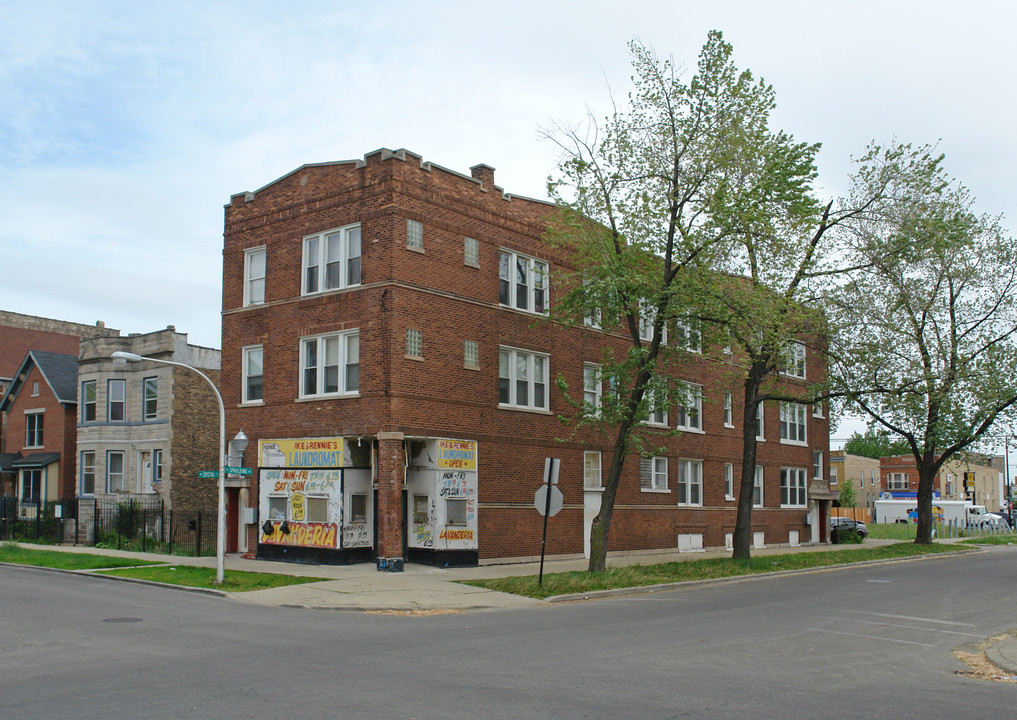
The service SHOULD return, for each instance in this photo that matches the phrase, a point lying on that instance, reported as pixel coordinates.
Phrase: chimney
(485, 174)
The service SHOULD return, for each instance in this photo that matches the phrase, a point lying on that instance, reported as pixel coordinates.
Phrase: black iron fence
(129, 523)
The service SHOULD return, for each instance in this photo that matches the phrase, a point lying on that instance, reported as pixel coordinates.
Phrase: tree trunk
(926, 477)
(742, 541)
(602, 523)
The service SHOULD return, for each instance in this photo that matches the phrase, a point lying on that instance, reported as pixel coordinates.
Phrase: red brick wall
(449, 302)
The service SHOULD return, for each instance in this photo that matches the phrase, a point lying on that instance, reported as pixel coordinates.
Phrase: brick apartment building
(385, 352)
(964, 478)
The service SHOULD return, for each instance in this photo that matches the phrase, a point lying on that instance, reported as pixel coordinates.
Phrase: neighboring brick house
(40, 406)
(963, 478)
(862, 472)
(146, 429)
(384, 350)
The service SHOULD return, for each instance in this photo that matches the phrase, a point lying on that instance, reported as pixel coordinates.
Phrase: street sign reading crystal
(205, 474)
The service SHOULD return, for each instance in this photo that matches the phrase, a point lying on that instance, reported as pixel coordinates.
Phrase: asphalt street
(863, 642)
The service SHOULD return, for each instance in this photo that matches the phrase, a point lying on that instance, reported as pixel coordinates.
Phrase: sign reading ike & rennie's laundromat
(301, 453)
(457, 455)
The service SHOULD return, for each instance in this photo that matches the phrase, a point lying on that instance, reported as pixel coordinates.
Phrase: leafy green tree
(847, 497)
(875, 443)
(926, 332)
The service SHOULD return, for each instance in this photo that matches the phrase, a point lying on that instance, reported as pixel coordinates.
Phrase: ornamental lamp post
(220, 549)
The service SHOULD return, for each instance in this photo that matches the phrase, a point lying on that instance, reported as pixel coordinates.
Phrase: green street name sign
(203, 474)
(238, 471)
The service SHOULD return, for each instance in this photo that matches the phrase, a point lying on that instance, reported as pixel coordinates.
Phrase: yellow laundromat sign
(324, 452)
(457, 455)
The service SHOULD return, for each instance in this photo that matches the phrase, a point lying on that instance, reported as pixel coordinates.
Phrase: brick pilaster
(390, 501)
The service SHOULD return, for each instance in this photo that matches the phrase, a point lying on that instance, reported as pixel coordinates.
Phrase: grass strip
(568, 583)
(14, 553)
(202, 577)
(1007, 539)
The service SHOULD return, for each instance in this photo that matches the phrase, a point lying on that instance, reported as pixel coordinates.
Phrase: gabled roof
(59, 371)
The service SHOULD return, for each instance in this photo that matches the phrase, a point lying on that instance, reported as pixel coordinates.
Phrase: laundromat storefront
(315, 502)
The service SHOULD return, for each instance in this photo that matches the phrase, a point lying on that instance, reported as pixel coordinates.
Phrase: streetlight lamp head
(240, 442)
(126, 356)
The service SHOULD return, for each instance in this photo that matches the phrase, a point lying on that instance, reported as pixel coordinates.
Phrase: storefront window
(455, 511)
(277, 508)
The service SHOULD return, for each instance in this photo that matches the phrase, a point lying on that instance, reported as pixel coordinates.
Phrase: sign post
(548, 501)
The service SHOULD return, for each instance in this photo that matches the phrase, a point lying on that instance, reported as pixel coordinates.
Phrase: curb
(1004, 655)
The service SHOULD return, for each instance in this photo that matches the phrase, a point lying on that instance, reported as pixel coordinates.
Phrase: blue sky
(126, 126)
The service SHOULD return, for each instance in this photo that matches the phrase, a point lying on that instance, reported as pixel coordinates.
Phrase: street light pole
(220, 546)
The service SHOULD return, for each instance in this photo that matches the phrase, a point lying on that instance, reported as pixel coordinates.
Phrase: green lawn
(640, 575)
(189, 576)
(202, 577)
(13, 553)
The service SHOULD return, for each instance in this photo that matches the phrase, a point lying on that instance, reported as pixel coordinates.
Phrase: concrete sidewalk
(419, 588)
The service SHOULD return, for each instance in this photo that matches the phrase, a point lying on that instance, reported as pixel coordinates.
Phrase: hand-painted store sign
(316, 535)
(302, 453)
(457, 455)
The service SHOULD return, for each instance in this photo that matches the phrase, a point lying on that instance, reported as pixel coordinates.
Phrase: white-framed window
(421, 506)
(729, 481)
(157, 466)
(471, 252)
(792, 487)
(792, 423)
(591, 318)
(757, 487)
(33, 429)
(817, 464)
(86, 484)
(150, 399)
(833, 475)
(656, 407)
(522, 379)
(592, 479)
(653, 474)
(896, 481)
(330, 365)
(317, 508)
(817, 410)
(88, 401)
(872, 478)
(116, 393)
(690, 482)
(794, 363)
(415, 234)
(114, 471)
(471, 354)
(522, 282)
(647, 317)
(253, 369)
(254, 276)
(35, 388)
(689, 407)
(688, 337)
(414, 343)
(760, 434)
(728, 410)
(331, 260)
(592, 386)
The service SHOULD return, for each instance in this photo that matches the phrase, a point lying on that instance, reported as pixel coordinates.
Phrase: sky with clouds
(126, 126)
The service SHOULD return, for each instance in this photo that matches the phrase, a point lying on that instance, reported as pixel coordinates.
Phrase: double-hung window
(150, 387)
(33, 429)
(330, 365)
(522, 282)
(656, 407)
(331, 260)
(87, 482)
(728, 410)
(759, 422)
(653, 474)
(792, 487)
(792, 423)
(253, 369)
(894, 481)
(116, 393)
(647, 318)
(114, 471)
(522, 379)
(591, 387)
(817, 464)
(794, 363)
(688, 336)
(690, 482)
(729, 481)
(254, 276)
(757, 487)
(591, 470)
(88, 401)
(690, 407)
(591, 316)
(31, 486)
